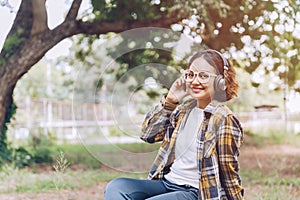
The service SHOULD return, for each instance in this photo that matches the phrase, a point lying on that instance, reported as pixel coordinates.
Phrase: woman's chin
(200, 95)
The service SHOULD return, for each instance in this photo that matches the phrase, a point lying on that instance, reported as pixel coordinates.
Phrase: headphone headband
(220, 83)
(225, 63)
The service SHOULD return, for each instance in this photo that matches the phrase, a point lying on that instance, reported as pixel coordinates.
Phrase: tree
(30, 38)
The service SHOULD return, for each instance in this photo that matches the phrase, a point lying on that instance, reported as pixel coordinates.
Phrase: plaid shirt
(218, 142)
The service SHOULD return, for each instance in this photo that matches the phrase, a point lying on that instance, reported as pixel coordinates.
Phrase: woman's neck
(202, 103)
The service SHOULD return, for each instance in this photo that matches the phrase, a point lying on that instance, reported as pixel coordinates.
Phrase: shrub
(21, 157)
(41, 149)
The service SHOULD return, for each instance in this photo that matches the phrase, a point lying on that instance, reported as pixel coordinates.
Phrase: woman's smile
(197, 89)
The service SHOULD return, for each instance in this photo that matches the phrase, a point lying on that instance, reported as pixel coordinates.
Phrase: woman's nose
(195, 81)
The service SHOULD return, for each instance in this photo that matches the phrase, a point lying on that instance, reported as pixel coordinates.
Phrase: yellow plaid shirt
(218, 142)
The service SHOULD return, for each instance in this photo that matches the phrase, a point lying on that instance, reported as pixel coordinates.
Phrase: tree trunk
(6, 100)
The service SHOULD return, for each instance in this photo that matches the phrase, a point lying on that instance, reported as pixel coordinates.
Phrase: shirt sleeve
(229, 141)
(156, 125)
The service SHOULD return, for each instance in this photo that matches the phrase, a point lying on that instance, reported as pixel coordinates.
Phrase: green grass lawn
(265, 176)
(13, 180)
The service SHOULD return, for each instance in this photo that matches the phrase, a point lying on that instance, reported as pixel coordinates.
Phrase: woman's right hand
(177, 91)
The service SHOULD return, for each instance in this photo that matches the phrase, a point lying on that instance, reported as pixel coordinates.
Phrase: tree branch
(40, 43)
(73, 12)
(39, 16)
(102, 27)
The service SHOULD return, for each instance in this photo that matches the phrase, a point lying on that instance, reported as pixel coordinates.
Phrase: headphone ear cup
(219, 83)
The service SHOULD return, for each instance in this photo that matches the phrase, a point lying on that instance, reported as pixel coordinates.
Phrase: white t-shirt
(184, 170)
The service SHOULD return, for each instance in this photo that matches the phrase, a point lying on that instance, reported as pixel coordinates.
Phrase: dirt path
(92, 193)
(281, 159)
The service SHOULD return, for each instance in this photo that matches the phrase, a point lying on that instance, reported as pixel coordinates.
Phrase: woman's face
(203, 92)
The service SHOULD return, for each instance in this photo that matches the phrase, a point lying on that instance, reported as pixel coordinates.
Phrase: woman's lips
(197, 89)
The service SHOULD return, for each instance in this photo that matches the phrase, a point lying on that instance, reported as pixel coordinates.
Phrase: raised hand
(177, 91)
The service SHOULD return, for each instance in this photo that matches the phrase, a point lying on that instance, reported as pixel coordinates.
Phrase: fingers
(178, 90)
(180, 81)
(180, 85)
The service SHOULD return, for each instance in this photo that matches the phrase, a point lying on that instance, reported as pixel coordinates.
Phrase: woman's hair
(216, 60)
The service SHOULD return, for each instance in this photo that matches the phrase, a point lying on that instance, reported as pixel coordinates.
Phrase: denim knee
(114, 189)
(115, 184)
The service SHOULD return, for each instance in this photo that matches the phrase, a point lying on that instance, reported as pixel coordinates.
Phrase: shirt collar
(211, 107)
(208, 110)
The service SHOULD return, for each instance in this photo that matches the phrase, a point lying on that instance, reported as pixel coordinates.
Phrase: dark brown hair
(216, 60)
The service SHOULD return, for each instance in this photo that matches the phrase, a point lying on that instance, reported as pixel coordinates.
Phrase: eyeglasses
(202, 77)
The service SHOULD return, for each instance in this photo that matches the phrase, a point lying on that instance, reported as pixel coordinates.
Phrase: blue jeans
(127, 188)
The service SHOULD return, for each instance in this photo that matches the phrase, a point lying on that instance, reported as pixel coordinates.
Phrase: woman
(201, 138)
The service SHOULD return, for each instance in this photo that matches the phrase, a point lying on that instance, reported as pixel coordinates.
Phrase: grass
(13, 180)
(275, 177)
(74, 167)
(87, 155)
(262, 186)
(267, 180)
(272, 137)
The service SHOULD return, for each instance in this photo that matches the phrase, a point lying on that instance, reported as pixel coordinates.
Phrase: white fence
(67, 121)
(262, 121)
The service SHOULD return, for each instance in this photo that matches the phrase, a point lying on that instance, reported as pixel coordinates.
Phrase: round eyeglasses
(202, 76)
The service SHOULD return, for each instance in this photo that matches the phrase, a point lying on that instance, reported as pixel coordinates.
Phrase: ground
(273, 160)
